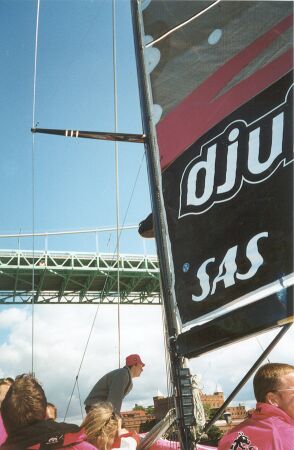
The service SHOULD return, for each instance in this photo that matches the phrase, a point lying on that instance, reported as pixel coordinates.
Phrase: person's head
(135, 365)
(274, 384)
(102, 425)
(51, 411)
(5, 384)
(25, 403)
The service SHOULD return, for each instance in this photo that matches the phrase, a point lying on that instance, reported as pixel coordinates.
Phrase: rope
(199, 412)
(35, 61)
(181, 25)
(33, 177)
(59, 233)
(133, 190)
(81, 363)
(80, 400)
(96, 313)
(116, 169)
(118, 229)
(262, 348)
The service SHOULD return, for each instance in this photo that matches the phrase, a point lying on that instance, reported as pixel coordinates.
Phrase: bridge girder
(58, 277)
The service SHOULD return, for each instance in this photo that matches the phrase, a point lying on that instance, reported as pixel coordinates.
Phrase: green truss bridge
(59, 277)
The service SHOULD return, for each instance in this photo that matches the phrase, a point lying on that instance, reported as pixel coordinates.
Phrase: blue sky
(74, 188)
(74, 180)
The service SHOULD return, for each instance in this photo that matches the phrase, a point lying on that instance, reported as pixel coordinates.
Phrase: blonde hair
(101, 425)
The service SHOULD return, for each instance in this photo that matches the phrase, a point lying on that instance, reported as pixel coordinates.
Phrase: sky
(50, 183)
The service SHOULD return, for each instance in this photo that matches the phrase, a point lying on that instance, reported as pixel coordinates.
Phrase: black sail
(221, 80)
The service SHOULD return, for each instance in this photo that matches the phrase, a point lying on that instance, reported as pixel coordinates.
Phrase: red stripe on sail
(198, 112)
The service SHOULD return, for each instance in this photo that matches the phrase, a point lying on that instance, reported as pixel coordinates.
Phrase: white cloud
(11, 316)
(61, 333)
(60, 336)
(228, 365)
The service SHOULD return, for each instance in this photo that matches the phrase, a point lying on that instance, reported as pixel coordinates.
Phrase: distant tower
(159, 394)
(218, 388)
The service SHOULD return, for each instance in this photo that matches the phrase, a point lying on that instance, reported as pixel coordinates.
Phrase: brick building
(135, 418)
(162, 405)
(237, 413)
(213, 401)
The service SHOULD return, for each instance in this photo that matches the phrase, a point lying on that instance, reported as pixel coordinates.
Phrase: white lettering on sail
(254, 257)
(231, 163)
(254, 165)
(192, 198)
(203, 277)
(243, 152)
(227, 270)
(227, 273)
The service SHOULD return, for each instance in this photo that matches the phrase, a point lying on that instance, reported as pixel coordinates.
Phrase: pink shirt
(268, 428)
(3, 434)
(164, 444)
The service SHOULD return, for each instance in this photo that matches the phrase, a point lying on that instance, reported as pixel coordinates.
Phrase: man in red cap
(115, 385)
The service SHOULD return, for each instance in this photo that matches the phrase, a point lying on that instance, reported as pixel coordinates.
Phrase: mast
(160, 226)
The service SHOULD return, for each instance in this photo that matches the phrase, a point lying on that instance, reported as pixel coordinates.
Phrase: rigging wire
(96, 313)
(33, 177)
(116, 169)
(181, 25)
(118, 228)
(262, 348)
(80, 399)
(82, 360)
(104, 286)
(132, 192)
(59, 233)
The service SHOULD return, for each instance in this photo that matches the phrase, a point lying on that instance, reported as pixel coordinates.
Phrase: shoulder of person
(122, 372)
(128, 440)
(131, 434)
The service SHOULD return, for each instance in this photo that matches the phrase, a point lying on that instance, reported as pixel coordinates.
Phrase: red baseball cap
(132, 360)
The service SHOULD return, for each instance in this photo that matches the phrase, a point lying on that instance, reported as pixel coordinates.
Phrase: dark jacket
(49, 435)
(112, 387)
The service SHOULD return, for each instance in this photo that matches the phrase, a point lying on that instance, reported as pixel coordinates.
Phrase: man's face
(50, 412)
(285, 394)
(138, 369)
(3, 391)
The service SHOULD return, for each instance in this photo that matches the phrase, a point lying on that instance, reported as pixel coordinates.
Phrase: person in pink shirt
(3, 434)
(23, 412)
(5, 384)
(271, 425)
(103, 428)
